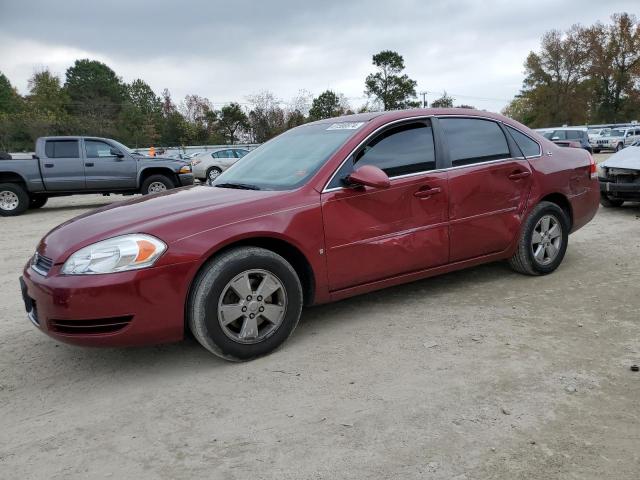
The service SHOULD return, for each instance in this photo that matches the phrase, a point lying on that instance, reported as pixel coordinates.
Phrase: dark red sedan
(325, 211)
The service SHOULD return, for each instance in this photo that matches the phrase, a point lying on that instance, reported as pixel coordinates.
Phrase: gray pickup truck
(79, 165)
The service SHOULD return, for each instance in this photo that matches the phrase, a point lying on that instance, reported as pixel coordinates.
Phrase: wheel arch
(13, 177)
(563, 202)
(148, 171)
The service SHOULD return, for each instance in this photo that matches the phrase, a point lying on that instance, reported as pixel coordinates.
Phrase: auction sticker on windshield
(345, 126)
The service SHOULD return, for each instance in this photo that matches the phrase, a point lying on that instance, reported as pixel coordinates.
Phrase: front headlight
(196, 162)
(602, 172)
(185, 169)
(117, 254)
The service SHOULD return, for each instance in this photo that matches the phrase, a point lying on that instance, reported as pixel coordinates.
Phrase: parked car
(619, 177)
(324, 211)
(209, 165)
(80, 165)
(563, 136)
(616, 139)
(597, 132)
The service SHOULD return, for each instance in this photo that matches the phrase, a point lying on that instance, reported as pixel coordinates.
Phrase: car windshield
(613, 133)
(289, 160)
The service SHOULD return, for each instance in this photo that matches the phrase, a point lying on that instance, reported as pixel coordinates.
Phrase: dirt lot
(478, 374)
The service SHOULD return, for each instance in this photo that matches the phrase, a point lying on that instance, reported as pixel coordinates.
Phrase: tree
(326, 105)
(141, 115)
(232, 120)
(613, 64)
(9, 98)
(445, 101)
(393, 90)
(266, 118)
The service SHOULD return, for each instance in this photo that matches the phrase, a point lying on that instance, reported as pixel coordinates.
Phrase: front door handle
(48, 165)
(518, 175)
(88, 164)
(426, 192)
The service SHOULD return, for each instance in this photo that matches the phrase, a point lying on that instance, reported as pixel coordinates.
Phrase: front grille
(41, 264)
(99, 326)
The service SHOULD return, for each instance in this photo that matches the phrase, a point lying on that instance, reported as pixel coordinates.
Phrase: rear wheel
(543, 241)
(38, 201)
(245, 303)
(609, 202)
(14, 200)
(156, 184)
(212, 174)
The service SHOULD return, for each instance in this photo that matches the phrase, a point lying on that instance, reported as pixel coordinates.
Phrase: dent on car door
(488, 187)
(372, 234)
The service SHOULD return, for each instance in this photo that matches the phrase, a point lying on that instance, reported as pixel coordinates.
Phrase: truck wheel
(156, 184)
(543, 241)
(245, 303)
(38, 201)
(14, 200)
(608, 202)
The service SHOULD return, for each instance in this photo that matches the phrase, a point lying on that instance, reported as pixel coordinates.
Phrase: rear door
(372, 234)
(488, 186)
(104, 169)
(62, 168)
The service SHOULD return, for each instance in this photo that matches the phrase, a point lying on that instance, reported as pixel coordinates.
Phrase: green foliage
(445, 101)
(326, 105)
(232, 120)
(388, 86)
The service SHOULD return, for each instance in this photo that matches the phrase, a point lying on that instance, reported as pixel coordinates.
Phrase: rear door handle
(519, 175)
(88, 164)
(426, 192)
(48, 165)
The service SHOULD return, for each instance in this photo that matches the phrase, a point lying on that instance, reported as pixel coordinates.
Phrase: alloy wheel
(546, 239)
(157, 187)
(252, 306)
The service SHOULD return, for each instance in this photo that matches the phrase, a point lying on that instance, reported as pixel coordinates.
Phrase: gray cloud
(228, 50)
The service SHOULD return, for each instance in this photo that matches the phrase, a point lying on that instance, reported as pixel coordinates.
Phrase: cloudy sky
(226, 50)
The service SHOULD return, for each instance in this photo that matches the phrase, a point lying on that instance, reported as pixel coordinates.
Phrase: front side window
(289, 160)
(473, 140)
(401, 150)
(97, 149)
(528, 147)
(62, 149)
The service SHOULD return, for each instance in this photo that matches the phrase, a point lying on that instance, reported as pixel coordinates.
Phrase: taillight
(593, 169)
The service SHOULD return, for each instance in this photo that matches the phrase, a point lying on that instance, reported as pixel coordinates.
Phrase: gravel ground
(478, 374)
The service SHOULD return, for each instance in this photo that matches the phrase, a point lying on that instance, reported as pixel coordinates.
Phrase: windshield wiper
(239, 186)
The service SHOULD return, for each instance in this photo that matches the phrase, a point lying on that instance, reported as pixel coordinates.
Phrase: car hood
(170, 216)
(626, 158)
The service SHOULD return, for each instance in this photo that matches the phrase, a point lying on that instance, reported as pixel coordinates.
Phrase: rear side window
(473, 140)
(240, 153)
(528, 147)
(61, 149)
(401, 150)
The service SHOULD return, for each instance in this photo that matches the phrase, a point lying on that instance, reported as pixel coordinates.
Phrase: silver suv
(616, 139)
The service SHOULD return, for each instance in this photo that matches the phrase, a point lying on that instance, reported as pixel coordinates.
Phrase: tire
(212, 290)
(14, 200)
(212, 174)
(619, 147)
(524, 260)
(596, 150)
(608, 202)
(156, 184)
(38, 201)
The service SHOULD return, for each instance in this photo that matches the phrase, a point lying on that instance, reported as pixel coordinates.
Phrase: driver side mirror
(117, 153)
(369, 176)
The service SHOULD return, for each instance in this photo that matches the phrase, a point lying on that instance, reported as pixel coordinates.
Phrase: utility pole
(424, 99)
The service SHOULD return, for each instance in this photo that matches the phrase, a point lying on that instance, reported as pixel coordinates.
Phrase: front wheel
(156, 184)
(14, 200)
(619, 147)
(245, 303)
(609, 202)
(543, 240)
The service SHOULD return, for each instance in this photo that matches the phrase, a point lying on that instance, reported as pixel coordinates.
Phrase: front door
(372, 234)
(106, 170)
(61, 165)
(488, 187)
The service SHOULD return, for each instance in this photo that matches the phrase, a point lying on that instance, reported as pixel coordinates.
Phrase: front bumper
(628, 190)
(140, 307)
(185, 179)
